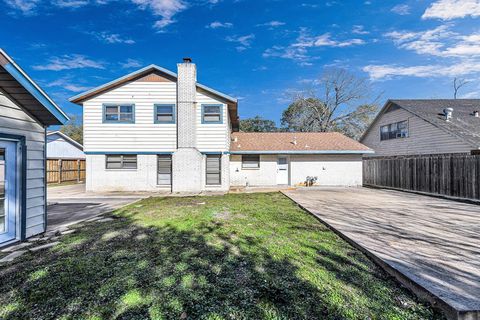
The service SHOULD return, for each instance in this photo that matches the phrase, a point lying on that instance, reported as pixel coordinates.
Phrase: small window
(213, 169)
(118, 113)
(395, 130)
(164, 113)
(251, 161)
(121, 161)
(164, 170)
(211, 114)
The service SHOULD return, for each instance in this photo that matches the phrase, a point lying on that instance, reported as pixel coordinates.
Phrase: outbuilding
(25, 113)
(295, 159)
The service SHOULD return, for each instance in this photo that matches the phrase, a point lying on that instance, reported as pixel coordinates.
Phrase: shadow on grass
(119, 269)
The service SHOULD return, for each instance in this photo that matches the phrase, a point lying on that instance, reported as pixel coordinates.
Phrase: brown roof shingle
(297, 142)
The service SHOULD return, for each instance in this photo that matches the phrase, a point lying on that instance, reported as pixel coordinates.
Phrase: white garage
(295, 159)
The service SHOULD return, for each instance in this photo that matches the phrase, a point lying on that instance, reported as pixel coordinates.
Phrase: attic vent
(234, 139)
(294, 142)
(475, 114)
(448, 112)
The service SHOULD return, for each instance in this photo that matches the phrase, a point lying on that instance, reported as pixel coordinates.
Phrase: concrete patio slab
(432, 245)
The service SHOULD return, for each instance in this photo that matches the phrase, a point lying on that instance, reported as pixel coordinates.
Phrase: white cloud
(271, 24)
(452, 9)
(467, 67)
(401, 9)
(166, 9)
(325, 40)
(68, 85)
(26, 7)
(359, 29)
(218, 24)
(131, 63)
(440, 41)
(72, 4)
(111, 38)
(68, 62)
(243, 41)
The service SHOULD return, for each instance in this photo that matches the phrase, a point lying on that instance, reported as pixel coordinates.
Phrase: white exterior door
(8, 191)
(282, 170)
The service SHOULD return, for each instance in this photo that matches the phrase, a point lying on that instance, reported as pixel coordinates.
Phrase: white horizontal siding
(423, 137)
(13, 120)
(144, 134)
(59, 148)
(212, 137)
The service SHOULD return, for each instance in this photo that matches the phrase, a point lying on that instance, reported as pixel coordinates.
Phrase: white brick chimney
(187, 160)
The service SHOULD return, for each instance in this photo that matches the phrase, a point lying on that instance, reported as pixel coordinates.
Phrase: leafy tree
(257, 124)
(74, 128)
(337, 102)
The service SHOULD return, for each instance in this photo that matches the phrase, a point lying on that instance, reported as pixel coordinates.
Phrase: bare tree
(336, 102)
(457, 85)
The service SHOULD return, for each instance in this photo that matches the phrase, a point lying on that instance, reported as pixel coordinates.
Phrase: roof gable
(463, 125)
(66, 138)
(21, 89)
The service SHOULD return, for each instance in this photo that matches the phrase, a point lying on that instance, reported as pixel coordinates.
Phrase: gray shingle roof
(462, 125)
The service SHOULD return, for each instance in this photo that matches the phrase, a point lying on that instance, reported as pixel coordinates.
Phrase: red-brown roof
(295, 142)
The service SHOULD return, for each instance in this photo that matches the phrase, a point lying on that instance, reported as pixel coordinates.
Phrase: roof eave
(303, 152)
(23, 79)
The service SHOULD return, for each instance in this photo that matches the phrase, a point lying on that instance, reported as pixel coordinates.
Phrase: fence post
(78, 170)
(59, 170)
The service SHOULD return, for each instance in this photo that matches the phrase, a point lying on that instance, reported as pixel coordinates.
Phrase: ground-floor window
(250, 161)
(213, 168)
(121, 161)
(164, 170)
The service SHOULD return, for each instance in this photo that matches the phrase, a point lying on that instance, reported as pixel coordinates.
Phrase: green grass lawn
(239, 256)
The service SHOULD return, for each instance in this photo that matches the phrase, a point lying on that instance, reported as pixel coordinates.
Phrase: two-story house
(158, 130)
(430, 126)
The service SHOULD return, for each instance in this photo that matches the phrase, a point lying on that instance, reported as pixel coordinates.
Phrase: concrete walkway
(71, 204)
(433, 242)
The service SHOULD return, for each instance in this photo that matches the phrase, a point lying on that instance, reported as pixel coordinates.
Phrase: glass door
(8, 191)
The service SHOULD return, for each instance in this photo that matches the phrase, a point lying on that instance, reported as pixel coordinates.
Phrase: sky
(258, 51)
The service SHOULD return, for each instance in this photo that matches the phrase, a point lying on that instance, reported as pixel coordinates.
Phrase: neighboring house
(25, 113)
(156, 130)
(416, 127)
(61, 146)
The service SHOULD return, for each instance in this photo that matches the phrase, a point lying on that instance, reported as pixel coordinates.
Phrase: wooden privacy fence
(456, 175)
(63, 170)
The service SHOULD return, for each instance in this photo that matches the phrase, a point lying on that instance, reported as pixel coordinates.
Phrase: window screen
(164, 170)
(213, 169)
(118, 113)
(212, 114)
(251, 161)
(121, 161)
(165, 113)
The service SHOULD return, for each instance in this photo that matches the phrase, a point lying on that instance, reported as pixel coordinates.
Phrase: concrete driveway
(433, 242)
(68, 205)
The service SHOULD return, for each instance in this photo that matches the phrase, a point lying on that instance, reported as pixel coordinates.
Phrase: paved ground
(71, 204)
(434, 242)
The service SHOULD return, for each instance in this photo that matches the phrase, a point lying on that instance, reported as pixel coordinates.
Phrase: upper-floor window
(394, 130)
(119, 113)
(164, 113)
(212, 113)
(121, 161)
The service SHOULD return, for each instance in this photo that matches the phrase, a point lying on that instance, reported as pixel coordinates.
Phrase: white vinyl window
(214, 168)
(118, 113)
(395, 130)
(121, 161)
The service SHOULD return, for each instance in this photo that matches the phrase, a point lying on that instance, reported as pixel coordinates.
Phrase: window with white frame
(121, 161)
(164, 113)
(123, 113)
(164, 170)
(395, 130)
(213, 169)
(211, 114)
(250, 161)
